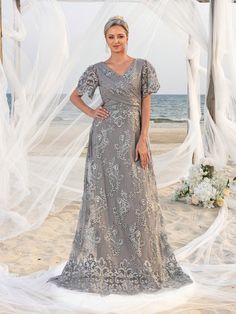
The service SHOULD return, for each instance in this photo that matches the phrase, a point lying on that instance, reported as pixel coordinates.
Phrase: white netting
(220, 132)
(32, 181)
(41, 163)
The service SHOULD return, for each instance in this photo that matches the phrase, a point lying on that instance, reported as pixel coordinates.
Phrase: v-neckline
(126, 71)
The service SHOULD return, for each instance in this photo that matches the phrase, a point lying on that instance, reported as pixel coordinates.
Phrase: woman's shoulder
(91, 66)
(91, 69)
(147, 66)
(142, 60)
(97, 64)
(96, 67)
(145, 61)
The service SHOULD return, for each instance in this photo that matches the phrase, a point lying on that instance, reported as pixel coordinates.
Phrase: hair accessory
(116, 20)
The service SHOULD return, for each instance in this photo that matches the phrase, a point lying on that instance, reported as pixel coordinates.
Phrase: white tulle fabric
(42, 167)
(219, 137)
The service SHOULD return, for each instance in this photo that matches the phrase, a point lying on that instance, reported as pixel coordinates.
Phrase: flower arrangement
(204, 186)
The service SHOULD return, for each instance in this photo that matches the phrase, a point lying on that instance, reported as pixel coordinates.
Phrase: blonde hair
(116, 20)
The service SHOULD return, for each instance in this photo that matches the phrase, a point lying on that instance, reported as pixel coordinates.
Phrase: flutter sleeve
(88, 82)
(149, 80)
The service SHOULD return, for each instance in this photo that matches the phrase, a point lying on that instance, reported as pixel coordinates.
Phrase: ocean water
(171, 108)
(165, 109)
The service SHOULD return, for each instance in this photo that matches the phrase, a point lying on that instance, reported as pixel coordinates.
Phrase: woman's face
(116, 38)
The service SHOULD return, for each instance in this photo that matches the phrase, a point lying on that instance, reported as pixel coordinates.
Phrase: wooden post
(210, 97)
(17, 60)
(17, 56)
(189, 61)
(211, 88)
(1, 50)
(18, 5)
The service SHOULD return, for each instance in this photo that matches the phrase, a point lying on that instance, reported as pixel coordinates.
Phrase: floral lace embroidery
(121, 211)
(123, 146)
(114, 240)
(149, 80)
(102, 142)
(88, 82)
(102, 276)
(120, 245)
(97, 207)
(114, 176)
(136, 238)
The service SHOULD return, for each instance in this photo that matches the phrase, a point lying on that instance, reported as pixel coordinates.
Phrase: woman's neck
(119, 58)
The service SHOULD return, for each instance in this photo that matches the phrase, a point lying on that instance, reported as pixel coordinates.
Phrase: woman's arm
(141, 147)
(99, 112)
(80, 104)
(146, 110)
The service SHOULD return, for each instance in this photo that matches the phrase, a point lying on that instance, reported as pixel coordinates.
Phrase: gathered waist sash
(128, 105)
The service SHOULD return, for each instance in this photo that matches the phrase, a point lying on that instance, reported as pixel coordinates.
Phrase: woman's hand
(99, 112)
(142, 151)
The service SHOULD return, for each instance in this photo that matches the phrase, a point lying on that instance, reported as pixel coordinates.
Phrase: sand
(51, 243)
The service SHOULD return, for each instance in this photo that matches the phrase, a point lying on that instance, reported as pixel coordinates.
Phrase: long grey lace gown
(120, 245)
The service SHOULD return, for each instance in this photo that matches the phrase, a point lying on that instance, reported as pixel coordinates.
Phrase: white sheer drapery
(32, 192)
(220, 131)
(41, 163)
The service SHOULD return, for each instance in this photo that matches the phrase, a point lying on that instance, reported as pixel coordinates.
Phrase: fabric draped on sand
(120, 244)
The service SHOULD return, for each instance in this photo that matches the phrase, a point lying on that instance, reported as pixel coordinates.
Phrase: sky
(166, 52)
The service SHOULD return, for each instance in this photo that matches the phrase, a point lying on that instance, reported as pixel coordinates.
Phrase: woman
(120, 245)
